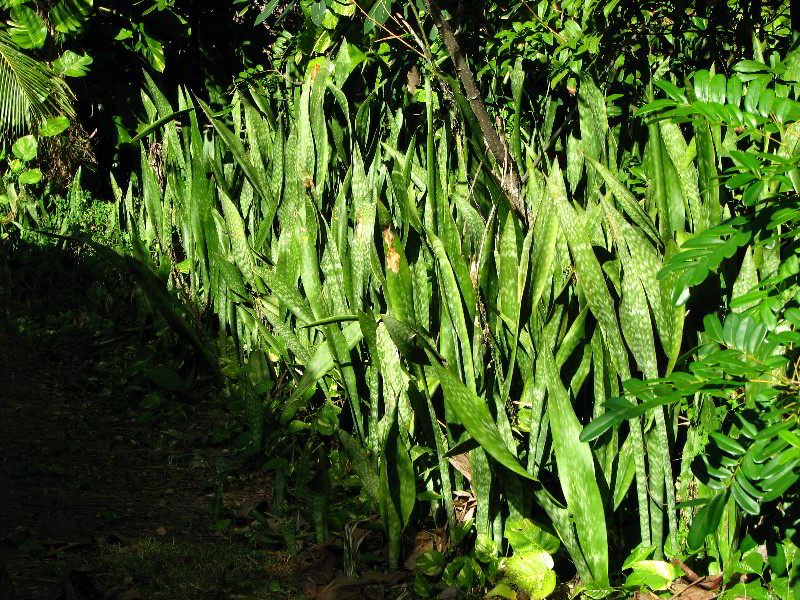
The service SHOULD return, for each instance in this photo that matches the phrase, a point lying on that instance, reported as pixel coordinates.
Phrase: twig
(510, 181)
(390, 34)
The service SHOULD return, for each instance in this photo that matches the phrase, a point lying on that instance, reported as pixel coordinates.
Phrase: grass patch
(169, 569)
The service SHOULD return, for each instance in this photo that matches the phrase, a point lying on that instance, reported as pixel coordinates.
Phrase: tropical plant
(30, 90)
(521, 316)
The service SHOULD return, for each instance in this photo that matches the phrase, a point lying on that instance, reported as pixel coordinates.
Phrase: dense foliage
(527, 270)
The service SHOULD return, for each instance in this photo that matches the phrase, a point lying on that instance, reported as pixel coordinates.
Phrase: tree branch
(510, 181)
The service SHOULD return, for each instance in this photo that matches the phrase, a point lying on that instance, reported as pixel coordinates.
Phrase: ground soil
(80, 474)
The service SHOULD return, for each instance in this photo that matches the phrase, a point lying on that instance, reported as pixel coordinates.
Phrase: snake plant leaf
(287, 294)
(636, 323)
(242, 253)
(590, 273)
(399, 288)
(321, 362)
(173, 152)
(396, 493)
(367, 474)
(678, 152)
(473, 413)
(626, 200)
(414, 345)
(575, 161)
(576, 474)
(517, 81)
(234, 144)
(507, 268)
(452, 295)
(364, 213)
(745, 281)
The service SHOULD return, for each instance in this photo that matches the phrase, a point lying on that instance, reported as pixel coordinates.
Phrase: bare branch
(510, 181)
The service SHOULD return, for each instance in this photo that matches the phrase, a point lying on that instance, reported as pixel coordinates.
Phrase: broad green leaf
(706, 521)
(431, 562)
(25, 148)
(70, 15)
(30, 176)
(269, 8)
(523, 532)
(27, 28)
(377, 15)
(533, 573)
(502, 590)
(166, 377)
(53, 126)
(70, 64)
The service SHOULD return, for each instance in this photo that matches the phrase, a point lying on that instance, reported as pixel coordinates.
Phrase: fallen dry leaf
(690, 591)
(461, 463)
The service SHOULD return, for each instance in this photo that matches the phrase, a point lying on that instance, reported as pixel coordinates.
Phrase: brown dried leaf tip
(392, 255)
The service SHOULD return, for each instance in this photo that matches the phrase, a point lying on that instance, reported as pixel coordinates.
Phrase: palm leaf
(30, 91)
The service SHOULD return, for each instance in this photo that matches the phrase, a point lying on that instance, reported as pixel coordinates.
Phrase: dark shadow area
(106, 468)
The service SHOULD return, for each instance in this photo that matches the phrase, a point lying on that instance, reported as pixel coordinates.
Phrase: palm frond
(30, 91)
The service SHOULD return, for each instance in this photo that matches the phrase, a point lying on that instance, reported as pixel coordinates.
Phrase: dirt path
(73, 473)
(82, 480)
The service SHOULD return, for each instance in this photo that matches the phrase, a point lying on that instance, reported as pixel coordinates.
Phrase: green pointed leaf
(321, 362)
(452, 296)
(576, 474)
(589, 272)
(473, 414)
(626, 200)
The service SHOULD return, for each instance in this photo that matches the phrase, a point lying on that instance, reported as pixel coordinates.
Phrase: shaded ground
(86, 483)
